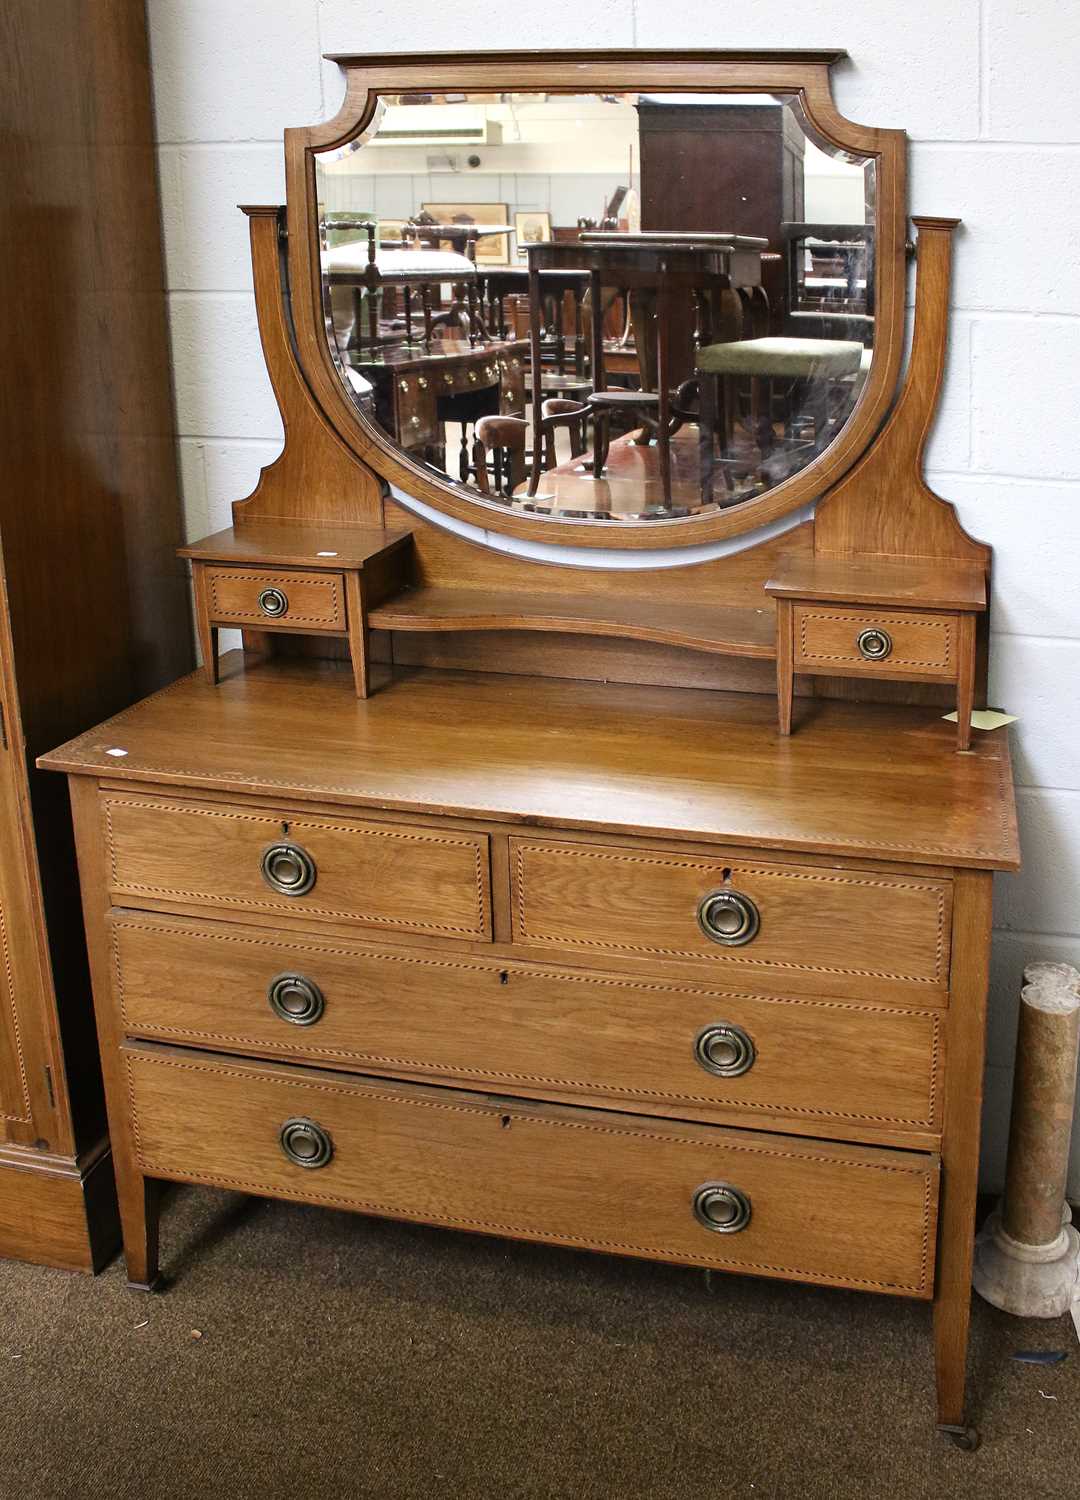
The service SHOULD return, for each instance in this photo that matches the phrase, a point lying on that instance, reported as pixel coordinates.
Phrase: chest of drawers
(428, 981)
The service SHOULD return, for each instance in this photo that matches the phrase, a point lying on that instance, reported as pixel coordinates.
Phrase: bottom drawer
(844, 1216)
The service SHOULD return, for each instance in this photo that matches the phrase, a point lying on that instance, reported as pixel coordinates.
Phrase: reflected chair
(499, 446)
(841, 270)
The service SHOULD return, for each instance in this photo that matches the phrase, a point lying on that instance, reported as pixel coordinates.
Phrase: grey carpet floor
(309, 1354)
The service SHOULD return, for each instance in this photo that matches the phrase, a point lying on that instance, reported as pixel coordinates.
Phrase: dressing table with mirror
(542, 925)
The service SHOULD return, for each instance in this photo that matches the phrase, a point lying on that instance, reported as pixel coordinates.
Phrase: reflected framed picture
(531, 228)
(491, 249)
(390, 229)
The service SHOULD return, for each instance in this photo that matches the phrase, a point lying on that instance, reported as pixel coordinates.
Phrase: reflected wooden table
(653, 269)
(418, 388)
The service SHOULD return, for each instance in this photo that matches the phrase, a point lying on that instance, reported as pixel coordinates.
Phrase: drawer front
(521, 1026)
(844, 1216)
(277, 598)
(830, 931)
(476, 375)
(416, 409)
(385, 875)
(901, 641)
(512, 383)
(452, 382)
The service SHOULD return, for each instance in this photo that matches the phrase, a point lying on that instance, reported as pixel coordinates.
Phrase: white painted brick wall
(984, 89)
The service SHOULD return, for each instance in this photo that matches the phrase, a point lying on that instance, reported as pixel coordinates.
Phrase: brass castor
(965, 1438)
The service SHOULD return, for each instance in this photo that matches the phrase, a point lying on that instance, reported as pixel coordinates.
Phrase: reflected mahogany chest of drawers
(507, 982)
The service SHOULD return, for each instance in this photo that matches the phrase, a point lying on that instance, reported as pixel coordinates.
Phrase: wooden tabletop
(857, 780)
(439, 354)
(261, 542)
(921, 583)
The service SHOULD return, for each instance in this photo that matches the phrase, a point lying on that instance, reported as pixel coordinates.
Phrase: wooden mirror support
(560, 900)
(895, 589)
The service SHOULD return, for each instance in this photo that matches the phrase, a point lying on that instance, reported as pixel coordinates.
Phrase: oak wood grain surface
(883, 506)
(842, 930)
(315, 478)
(705, 767)
(924, 644)
(314, 600)
(395, 875)
(924, 583)
(296, 545)
(504, 1024)
(733, 629)
(575, 1177)
(966, 1048)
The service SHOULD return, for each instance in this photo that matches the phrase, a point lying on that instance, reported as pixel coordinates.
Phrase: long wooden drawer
(514, 1025)
(846, 1216)
(818, 929)
(385, 875)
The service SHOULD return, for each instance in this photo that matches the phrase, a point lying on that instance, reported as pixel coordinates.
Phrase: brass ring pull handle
(295, 999)
(721, 1207)
(874, 644)
(305, 1144)
(273, 602)
(728, 917)
(724, 1050)
(288, 869)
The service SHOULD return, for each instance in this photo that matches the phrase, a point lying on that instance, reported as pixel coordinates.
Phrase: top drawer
(798, 928)
(289, 599)
(847, 639)
(382, 875)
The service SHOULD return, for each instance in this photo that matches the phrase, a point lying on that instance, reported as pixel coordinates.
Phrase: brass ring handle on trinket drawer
(728, 917)
(296, 999)
(874, 644)
(305, 1143)
(273, 602)
(724, 1049)
(288, 869)
(721, 1207)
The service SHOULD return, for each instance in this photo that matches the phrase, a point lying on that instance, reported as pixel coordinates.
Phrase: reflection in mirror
(617, 307)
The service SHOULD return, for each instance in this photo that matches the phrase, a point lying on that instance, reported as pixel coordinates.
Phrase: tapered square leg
(139, 1217)
(785, 662)
(359, 639)
(208, 636)
(964, 1047)
(137, 1195)
(965, 682)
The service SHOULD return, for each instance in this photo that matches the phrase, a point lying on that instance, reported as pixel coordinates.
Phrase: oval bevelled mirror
(603, 306)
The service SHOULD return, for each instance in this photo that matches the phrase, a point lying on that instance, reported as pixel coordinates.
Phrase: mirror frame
(803, 73)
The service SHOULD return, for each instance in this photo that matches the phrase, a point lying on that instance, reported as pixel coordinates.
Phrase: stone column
(1028, 1254)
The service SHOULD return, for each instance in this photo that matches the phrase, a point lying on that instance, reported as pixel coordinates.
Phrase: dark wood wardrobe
(94, 608)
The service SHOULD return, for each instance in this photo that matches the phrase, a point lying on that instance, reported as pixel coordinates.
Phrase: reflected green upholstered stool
(787, 358)
(816, 363)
